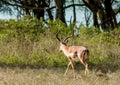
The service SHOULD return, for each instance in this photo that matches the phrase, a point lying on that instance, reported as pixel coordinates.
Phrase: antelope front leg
(67, 68)
(71, 62)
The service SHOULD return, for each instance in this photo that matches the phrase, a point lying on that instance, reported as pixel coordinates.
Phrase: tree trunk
(101, 15)
(60, 13)
(74, 13)
(95, 19)
(110, 14)
(49, 14)
(104, 14)
(25, 3)
(40, 12)
(93, 6)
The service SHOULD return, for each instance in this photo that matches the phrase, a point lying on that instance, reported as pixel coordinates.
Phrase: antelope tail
(85, 54)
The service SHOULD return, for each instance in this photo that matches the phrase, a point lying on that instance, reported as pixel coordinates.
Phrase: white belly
(73, 56)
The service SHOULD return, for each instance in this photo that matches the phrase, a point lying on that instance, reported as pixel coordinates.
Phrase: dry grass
(54, 76)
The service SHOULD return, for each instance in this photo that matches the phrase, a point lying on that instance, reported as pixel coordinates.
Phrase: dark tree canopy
(104, 11)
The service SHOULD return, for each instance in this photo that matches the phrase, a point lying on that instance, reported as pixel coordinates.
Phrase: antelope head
(63, 42)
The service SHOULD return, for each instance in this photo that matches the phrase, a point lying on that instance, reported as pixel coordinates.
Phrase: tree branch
(117, 11)
(74, 5)
(15, 4)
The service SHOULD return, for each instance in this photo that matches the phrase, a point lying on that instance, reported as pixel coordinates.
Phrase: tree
(104, 16)
(31, 7)
(87, 15)
(5, 8)
(102, 11)
(60, 12)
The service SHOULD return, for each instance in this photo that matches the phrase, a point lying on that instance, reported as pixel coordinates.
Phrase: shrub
(29, 42)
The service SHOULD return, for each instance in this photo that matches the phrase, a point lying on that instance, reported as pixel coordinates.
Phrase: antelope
(73, 53)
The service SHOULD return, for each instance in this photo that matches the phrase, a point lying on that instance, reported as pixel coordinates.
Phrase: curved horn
(57, 35)
(67, 38)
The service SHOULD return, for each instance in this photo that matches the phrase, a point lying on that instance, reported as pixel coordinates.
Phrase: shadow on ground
(110, 65)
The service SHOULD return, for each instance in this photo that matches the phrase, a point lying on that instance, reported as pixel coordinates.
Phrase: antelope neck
(65, 48)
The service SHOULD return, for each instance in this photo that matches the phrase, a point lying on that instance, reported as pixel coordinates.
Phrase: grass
(29, 55)
(54, 76)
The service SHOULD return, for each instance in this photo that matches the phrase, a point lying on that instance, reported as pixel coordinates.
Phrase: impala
(74, 53)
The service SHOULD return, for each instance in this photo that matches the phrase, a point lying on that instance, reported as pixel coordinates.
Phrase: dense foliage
(29, 42)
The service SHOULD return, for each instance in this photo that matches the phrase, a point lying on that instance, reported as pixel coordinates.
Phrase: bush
(29, 42)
